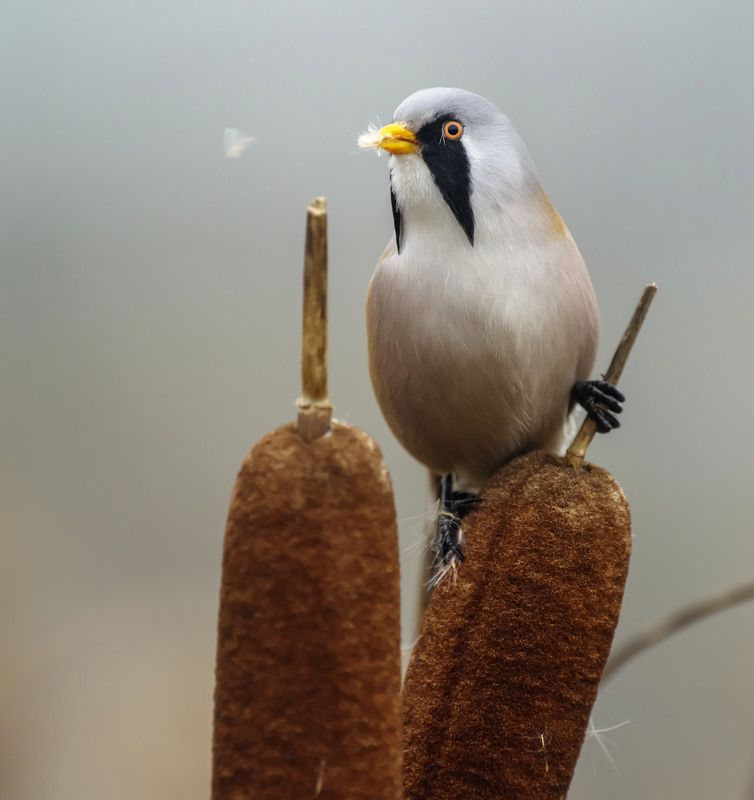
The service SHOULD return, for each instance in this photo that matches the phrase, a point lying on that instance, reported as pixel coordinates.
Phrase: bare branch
(661, 630)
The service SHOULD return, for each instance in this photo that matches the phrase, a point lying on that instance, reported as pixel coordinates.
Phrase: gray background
(149, 335)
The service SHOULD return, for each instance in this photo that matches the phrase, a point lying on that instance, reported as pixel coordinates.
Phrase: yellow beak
(395, 138)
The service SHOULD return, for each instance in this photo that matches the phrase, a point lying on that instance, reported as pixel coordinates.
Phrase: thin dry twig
(576, 452)
(661, 630)
(314, 406)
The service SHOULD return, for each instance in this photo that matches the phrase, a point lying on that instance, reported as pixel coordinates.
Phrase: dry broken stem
(314, 406)
(576, 452)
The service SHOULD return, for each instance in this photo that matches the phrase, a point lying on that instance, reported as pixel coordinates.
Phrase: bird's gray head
(457, 143)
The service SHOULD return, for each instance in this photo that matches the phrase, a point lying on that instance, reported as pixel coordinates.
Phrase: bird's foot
(450, 537)
(449, 548)
(601, 401)
(453, 507)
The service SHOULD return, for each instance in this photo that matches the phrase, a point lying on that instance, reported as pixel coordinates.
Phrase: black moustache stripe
(396, 214)
(448, 162)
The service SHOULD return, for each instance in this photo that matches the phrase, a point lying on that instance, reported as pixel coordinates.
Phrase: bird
(482, 322)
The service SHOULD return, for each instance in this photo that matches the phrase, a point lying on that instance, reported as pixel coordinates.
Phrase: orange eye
(452, 129)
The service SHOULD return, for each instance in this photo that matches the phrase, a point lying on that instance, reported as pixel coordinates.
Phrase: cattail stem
(576, 452)
(314, 406)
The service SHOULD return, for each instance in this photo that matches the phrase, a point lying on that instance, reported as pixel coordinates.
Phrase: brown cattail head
(501, 683)
(308, 656)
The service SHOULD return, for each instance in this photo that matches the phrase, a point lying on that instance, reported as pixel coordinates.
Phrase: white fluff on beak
(372, 137)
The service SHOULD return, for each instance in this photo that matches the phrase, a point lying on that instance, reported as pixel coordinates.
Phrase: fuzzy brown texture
(501, 683)
(307, 699)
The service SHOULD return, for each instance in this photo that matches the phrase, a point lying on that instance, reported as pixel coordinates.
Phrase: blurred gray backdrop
(150, 294)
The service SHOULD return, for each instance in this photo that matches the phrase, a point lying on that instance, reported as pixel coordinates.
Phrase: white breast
(473, 351)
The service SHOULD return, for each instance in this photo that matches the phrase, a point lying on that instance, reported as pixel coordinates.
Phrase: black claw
(606, 422)
(599, 398)
(608, 395)
(611, 389)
